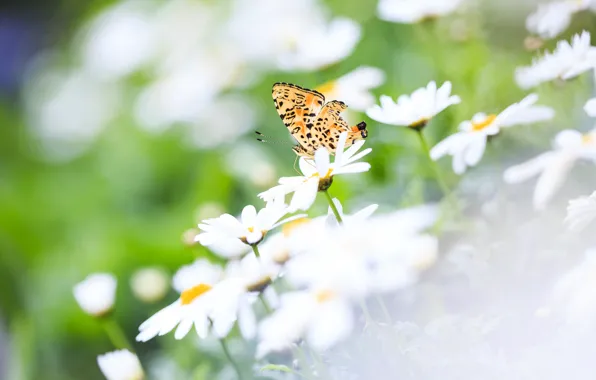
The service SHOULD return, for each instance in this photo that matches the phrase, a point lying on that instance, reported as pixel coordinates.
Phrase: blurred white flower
(149, 284)
(378, 254)
(413, 11)
(96, 294)
(250, 229)
(574, 294)
(321, 45)
(590, 107)
(416, 110)
(318, 175)
(200, 271)
(67, 110)
(581, 212)
(120, 365)
(553, 166)
(565, 62)
(119, 40)
(354, 87)
(321, 317)
(551, 19)
(204, 306)
(467, 146)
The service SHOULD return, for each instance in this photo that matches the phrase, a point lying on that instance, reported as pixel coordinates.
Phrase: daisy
(551, 19)
(321, 317)
(413, 11)
(378, 254)
(200, 271)
(565, 62)
(581, 212)
(149, 284)
(321, 45)
(354, 87)
(96, 294)
(362, 214)
(120, 365)
(250, 229)
(204, 306)
(317, 175)
(414, 111)
(467, 146)
(553, 166)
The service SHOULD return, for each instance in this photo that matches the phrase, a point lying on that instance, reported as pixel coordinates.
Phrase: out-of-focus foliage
(125, 200)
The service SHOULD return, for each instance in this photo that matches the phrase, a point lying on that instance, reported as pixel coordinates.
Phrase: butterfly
(311, 121)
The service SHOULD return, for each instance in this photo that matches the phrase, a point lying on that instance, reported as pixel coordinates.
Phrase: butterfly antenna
(265, 139)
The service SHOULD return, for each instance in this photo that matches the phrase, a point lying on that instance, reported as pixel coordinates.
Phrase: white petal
(552, 178)
(528, 169)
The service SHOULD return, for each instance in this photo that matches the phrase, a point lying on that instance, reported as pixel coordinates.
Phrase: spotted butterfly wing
(311, 121)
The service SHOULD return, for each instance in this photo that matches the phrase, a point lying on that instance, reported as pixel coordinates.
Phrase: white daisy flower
(321, 45)
(318, 175)
(200, 271)
(590, 107)
(553, 166)
(204, 306)
(551, 19)
(467, 146)
(149, 284)
(416, 110)
(96, 294)
(321, 317)
(354, 87)
(360, 215)
(250, 229)
(565, 62)
(120, 365)
(413, 11)
(581, 212)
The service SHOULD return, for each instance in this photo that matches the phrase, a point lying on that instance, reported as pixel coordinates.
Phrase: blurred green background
(125, 200)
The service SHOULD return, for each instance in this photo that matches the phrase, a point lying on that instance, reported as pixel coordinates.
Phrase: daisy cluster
(292, 283)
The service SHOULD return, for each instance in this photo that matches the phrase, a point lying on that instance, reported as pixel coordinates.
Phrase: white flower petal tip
(96, 294)
(414, 110)
(120, 365)
(590, 107)
(414, 11)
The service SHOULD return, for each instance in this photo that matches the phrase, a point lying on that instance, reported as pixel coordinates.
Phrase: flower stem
(266, 305)
(438, 176)
(256, 251)
(333, 207)
(385, 310)
(115, 333)
(224, 347)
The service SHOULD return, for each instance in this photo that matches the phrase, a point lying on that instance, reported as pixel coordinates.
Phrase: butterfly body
(311, 121)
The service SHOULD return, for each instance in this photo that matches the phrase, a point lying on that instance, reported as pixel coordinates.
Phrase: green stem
(266, 305)
(333, 207)
(436, 170)
(256, 250)
(224, 347)
(385, 310)
(115, 333)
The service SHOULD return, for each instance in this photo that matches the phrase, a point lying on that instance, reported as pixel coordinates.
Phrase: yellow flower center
(588, 139)
(324, 296)
(193, 293)
(327, 88)
(484, 123)
(289, 227)
(251, 229)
